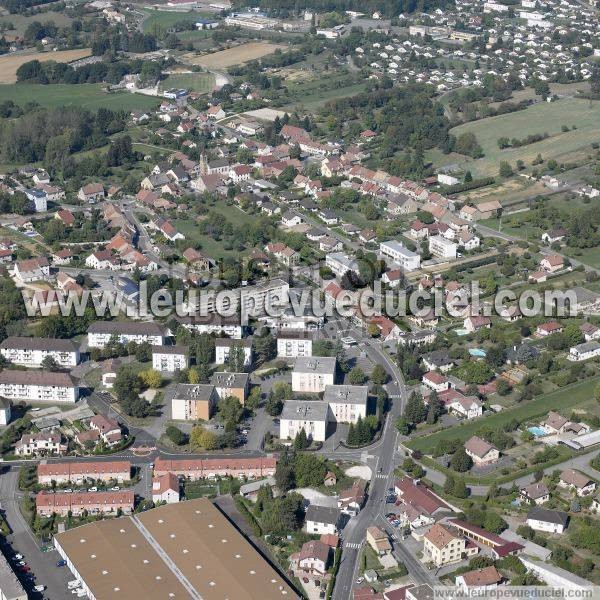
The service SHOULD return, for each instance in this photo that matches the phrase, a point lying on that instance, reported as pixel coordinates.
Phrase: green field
(158, 20)
(21, 22)
(562, 400)
(199, 82)
(541, 118)
(88, 95)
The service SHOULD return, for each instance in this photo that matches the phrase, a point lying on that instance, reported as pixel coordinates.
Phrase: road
(381, 457)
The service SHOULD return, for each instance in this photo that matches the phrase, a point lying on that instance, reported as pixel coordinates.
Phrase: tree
(273, 405)
(356, 376)
(230, 410)
(505, 169)
(379, 375)
(449, 484)
(151, 378)
(460, 489)
(236, 359)
(201, 438)
(176, 435)
(310, 469)
(503, 387)
(415, 411)
(49, 364)
(301, 441)
(494, 523)
(265, 346)
(285, 477)
(461, 461)
(475, 372)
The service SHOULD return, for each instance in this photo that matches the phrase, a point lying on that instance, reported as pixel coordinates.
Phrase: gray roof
(4, 403)
(587, 347)
(11, 587)
(321, 364)
(193, 391)
(437, 358)
(322, 514)
(294, 334)
(127, 327)
(254, 486)
(36, 343)
(421, 592)
(9, 376)
(223, 379)
(305, 410)
(346, 394)
(549, 516)
(170, 350)
(229, 342)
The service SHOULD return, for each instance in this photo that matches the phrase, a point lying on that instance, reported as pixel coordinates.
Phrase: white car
(115, 489)
(18, 556)
(93, 489)
(81, 593)
(39, 588)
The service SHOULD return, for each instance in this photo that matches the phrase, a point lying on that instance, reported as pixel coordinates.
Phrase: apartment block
(194, 401)
(78, 472)
(94, 503)
(311, 375)
(294, 343)
(30, 352)
(100, 333)
(169, 359)
(38, 386)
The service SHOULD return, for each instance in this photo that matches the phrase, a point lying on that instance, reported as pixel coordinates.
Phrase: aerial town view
(299, 299)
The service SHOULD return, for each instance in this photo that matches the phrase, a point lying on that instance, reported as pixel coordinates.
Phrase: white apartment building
(340, 263)
(397, 252)
(250, 300)
(216, 324)
(169, 359)
(223, 347)
(346, 402)
(442, 248)
(311, 375)
(5, 408)
(191, 402)
(30, 352)
(38, 386)
(294, 343)
(312, 416)
(101, 332)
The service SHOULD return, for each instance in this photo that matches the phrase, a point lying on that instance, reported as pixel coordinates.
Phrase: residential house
(43, 443)
(81, 471)
(379, 541)
(322, 520)
(577, 482)
(443, 546)
(476, 322)
(481, 451)
(537, 493)
(76, 503)
(552, 263)
(91, 193)
(202, 468)
(479, 581)
(313, 558)
(548, 521)
(32, 269)
(165, 488)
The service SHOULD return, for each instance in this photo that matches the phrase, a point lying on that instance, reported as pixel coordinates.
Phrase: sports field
(159, 20)
(10, 63)
(88, 95)
(563, 400)
(199, 82)
(234, 56)
(538, 119)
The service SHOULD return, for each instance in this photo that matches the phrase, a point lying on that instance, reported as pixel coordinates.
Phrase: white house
(313, 374)
(573, 480)
(294, 343)
(322, 520)
(223, 348)
(165, 488)
(397, 252)
(101, 332)
(436, 381)
(5, 407)
(478, 581)
(169, 359)
(30, 352)
(442, 248)
(311, 415)
(468, 407)
(550, 521)
(38, 386)
(340, 263)
(584, 351)
(43, 443)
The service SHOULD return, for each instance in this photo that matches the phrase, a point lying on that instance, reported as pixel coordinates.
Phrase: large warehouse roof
(183, 550)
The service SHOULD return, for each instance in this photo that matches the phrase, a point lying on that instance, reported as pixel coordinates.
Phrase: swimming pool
(537, 431)
(477, 352)
(461, 332)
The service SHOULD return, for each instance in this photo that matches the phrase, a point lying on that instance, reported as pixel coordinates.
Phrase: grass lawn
(158, 20)
(311, 95)
(540, 118)
(87, 95)
(563, 399)
(199, 82)
(21, 22)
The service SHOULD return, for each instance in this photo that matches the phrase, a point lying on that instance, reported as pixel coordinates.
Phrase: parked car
(39, 588)
(61, 563)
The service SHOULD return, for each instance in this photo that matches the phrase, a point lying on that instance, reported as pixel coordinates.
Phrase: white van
(73, 584)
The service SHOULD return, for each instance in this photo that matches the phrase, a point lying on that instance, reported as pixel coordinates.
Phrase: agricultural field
(10, 63)
(159, 20)
(234, 56)
(538, 119)
(21, 22)
(89, 96)
(565, 400)
(199, 82)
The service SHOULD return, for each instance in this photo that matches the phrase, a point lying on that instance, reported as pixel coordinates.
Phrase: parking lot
(42, 565)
